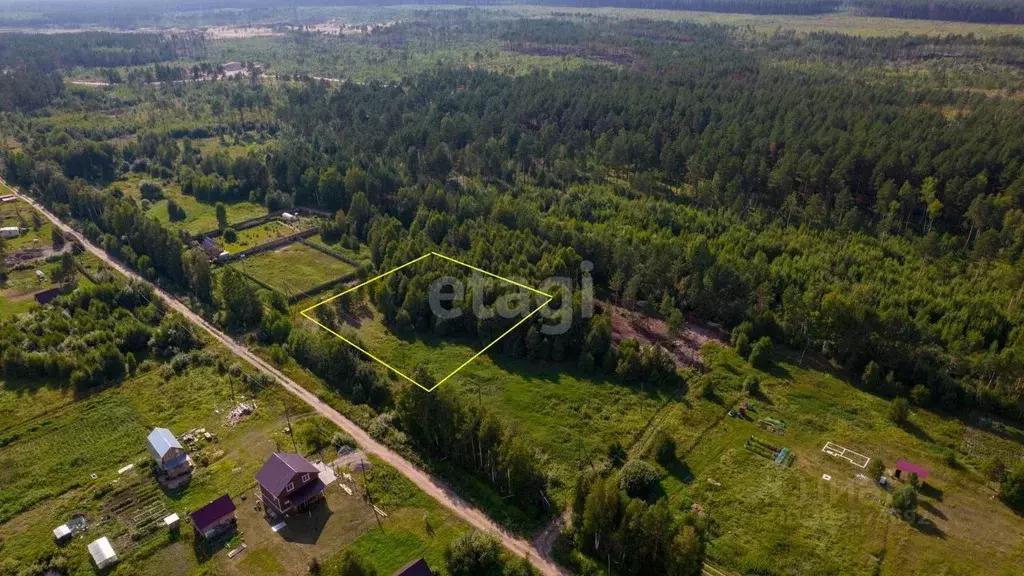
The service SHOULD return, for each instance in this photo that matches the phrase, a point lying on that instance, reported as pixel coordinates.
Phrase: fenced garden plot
(781, 456)
(294, 269)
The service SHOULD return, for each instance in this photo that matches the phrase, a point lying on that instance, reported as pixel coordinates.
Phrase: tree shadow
(931, 491)
(931, 509)
(205, 549)
(779, 371)
(680, 470)
(926, 526)
(917, 432)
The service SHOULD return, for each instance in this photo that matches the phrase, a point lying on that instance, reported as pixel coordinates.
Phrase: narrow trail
(472, 515)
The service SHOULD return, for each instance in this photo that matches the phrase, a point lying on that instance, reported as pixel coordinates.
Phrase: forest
(737, 165)
(774, 187)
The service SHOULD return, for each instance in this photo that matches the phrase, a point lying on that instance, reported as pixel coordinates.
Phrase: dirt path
(432, 486)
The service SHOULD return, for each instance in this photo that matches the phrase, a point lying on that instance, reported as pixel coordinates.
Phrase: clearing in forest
(422, 289)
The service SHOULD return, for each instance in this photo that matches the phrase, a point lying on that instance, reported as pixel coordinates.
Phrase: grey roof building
(173, 462)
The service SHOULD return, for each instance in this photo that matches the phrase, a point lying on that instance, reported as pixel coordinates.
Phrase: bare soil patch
(684, 347)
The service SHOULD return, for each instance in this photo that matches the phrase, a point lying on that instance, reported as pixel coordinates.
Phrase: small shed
(904, 469)
(172, 522)
(211, 248)
(102, 553)
(8, 198)
(215, 517)
(62, 534)
(288, 217)
(10, 231)
(415, 568)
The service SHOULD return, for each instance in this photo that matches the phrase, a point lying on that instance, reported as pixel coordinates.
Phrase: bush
(1012, 488)
(616, 454)
(994, 469)
(761, 353)
(876, 469)
(474, 554)
(341, 439)
(150, 190)
(904, 500)
(752, 385)
(899, 411)
(638, 478)
(921, 395)
(175, 212)
(664, 448)
(230, 235)
(742, 345)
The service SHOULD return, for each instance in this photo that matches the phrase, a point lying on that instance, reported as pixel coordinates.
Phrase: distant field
(842, 22)
(199, 216)
(294, 268)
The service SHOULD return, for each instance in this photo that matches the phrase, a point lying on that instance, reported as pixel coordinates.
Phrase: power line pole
(291, 431)
(369, 497)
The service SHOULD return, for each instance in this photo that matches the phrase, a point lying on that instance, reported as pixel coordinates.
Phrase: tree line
(994, 11)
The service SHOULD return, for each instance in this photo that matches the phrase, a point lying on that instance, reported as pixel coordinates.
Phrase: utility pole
(291, 432)
(369, 497)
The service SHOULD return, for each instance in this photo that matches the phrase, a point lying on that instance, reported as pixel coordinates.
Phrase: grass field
(53, 442)
(572, 416)
(199, 216)
(767, 519)
(257, 235)
(36, 230)
(842, 22)
(778, 520)
(362, 255)
(294, 268)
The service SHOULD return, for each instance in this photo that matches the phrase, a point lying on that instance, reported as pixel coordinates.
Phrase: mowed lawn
(294, 268)
(778, 520)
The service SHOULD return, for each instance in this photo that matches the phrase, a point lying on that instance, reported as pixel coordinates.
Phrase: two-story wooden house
(288, 484)
(174, 467)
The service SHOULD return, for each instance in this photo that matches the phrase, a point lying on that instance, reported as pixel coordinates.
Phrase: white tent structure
(102, 553)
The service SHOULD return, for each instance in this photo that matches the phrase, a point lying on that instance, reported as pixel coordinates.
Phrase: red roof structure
(904, 468)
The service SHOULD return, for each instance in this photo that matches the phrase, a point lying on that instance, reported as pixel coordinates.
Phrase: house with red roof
(288, 484)
(215, 518)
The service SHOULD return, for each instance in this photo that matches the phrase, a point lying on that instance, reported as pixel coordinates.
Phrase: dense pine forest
(848, 206)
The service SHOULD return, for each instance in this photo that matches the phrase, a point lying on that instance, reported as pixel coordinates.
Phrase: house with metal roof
(289, 484)
(174, 467)
(215, 518)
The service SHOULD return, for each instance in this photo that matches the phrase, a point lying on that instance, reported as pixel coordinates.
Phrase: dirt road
(421, 479)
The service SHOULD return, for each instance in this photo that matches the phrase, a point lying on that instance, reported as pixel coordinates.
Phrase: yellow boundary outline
(306, 311)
